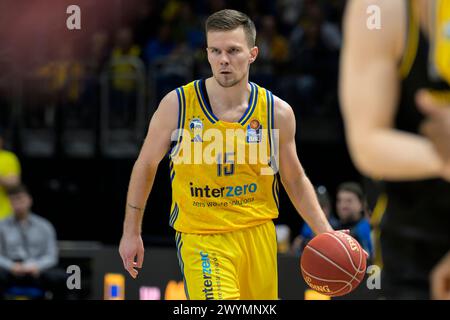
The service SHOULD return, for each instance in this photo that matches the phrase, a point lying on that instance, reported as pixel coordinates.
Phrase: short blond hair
(227, 20)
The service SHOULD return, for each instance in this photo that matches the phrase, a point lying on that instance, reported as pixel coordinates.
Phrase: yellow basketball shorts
(228, 266)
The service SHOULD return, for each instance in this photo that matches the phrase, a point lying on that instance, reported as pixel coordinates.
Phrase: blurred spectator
(273, 47)
(95, 62)
(314, 52)
(125, 64)
(170, 62)
(64, 84)
(64, 74)
(283, 237)
(98, 53)
(9, 177)
(273, 53)
(124, 49)
(352, 212)
(28, 249)
(161, 46)
(306, 233)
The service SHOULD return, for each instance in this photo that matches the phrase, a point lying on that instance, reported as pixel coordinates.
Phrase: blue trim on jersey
(210, 117)
(174, 215)
(251, 105)
(272, 111)
(276, 186)
(269, 121)
(206, 107)
(172, 171)
(181, 118)
(205, 101)
(179, 245)
(275, 190)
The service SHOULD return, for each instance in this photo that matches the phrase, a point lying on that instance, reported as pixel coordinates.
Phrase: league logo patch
(196, 127)
(254, 131)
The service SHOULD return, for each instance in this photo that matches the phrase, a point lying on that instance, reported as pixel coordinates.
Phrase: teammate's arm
(369, 92)
(156, 145)
(296, 183)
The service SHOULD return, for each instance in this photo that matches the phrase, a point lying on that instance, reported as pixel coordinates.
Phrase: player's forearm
(303, 197)
(395, 155)
(139, 188)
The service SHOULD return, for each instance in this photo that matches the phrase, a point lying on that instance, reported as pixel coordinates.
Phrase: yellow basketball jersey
(223, 173)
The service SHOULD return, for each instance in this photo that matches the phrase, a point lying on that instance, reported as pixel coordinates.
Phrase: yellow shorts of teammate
(235, 265)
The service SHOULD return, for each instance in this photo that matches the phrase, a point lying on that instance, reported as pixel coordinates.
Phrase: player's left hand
(440, 279)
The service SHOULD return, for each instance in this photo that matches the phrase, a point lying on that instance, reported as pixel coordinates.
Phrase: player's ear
(253, 54)
(207, 55)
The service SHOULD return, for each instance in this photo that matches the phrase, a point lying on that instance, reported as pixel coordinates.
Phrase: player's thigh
(208, 268)
(259, 275)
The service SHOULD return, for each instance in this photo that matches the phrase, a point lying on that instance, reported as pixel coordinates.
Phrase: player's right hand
(131, 251)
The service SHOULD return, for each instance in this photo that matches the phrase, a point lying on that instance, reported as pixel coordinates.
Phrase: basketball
(333, 263)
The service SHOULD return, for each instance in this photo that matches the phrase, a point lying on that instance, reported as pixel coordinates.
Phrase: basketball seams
(360, 257)
(358, 270)
(345, 249)
(326, 280)
(321, 279)
(353, 277)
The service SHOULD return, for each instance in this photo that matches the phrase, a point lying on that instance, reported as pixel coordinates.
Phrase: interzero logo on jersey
(228, 191)
(254, 145)
(208, 288)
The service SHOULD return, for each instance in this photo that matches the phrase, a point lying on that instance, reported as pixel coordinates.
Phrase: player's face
(230, 56)
(21, 204)
(348, 206)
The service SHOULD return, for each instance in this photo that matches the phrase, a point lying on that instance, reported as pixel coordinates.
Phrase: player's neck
(230, 97)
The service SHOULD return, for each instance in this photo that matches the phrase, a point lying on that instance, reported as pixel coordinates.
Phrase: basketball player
(222, 212)
(385, 74)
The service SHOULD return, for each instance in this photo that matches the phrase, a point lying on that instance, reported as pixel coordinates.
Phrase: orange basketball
(333, 263)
